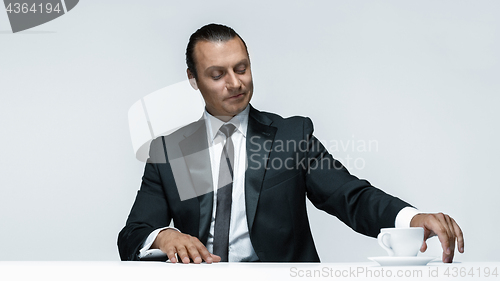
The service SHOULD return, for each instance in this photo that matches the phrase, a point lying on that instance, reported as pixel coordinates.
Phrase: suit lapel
(260, 137)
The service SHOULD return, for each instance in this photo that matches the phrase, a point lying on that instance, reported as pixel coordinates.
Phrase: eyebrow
(216, 67)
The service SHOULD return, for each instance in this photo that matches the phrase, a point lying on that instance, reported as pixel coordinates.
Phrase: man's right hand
(171, 242)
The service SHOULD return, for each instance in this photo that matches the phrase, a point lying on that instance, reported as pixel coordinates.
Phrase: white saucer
(401, 261)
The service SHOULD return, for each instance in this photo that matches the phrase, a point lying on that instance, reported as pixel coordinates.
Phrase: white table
(116, 270)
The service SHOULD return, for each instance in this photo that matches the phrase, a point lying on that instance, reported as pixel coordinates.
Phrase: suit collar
(259, 116)
(240, 121)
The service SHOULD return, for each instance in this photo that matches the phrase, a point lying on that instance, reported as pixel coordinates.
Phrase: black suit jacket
(286, 163)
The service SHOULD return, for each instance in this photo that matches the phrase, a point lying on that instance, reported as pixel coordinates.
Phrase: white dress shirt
(240, 246)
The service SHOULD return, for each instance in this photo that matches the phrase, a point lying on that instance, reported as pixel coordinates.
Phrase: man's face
(224, 76)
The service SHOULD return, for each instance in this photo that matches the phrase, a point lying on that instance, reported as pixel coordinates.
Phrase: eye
(217, 75)
(241, 70)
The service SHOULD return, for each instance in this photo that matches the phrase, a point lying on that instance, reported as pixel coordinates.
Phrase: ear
(192, 80)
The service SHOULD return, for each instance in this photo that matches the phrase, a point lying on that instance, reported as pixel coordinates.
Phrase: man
(260, 214)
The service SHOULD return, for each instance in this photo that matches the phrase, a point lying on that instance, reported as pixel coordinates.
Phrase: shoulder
(169, 144)
(293, 122)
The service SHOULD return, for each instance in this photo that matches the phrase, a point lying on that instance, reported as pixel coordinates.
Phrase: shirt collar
(240, 121)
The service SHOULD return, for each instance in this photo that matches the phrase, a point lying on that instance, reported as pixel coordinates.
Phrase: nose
(232, 81)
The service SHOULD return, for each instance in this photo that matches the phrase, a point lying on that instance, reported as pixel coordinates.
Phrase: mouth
(236, 96)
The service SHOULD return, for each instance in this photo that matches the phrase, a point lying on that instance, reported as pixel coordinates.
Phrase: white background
(421, 78)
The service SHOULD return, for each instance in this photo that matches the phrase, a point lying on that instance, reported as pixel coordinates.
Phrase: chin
(235, 110)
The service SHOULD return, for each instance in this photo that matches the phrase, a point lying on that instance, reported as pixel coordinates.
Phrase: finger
(434, 224)
(194, 254)
(446, 237)
(424, 247)
(171, 255)
(205, 254)
(443, 232)
(182, 253)
(216, 258)
(445, 258)
(427, 234)
(451, 239)
(451, 232)
(460, 236)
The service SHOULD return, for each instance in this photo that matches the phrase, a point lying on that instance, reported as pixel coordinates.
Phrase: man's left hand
(445, 228)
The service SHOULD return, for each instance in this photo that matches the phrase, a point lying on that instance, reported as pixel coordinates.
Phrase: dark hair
(211, 33)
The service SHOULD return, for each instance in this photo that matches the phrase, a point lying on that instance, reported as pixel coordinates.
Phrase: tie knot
(227, 129)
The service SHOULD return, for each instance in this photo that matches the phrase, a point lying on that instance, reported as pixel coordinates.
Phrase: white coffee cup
(401, 242)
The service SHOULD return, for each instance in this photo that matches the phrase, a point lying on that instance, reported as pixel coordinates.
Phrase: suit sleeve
(330, 187)
(150, 210)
